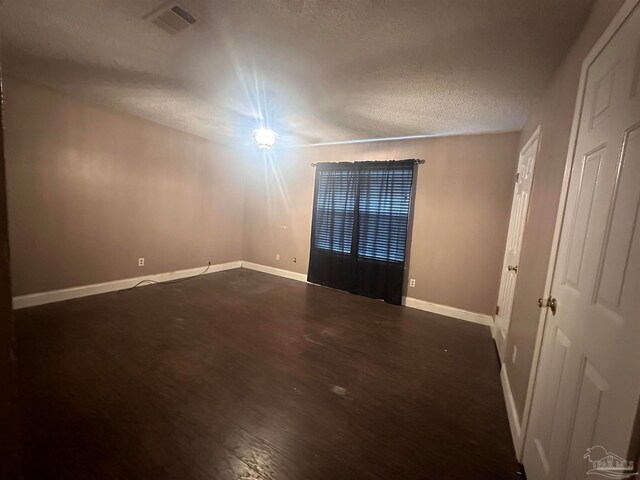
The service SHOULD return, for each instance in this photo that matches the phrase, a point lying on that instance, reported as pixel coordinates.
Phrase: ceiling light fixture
(265, 138)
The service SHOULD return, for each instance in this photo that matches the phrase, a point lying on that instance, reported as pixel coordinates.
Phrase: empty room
(306, 239)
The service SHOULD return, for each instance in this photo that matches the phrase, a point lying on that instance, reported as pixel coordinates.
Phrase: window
(335, 206)
(383, 197)
(384, 204)
(360, 227)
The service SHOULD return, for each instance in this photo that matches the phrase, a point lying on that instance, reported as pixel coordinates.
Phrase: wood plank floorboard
(240, 374)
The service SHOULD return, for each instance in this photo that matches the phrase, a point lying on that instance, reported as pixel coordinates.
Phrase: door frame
(536, 136)
(625, 10)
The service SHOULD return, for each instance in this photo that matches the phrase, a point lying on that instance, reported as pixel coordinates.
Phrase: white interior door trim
(534, 136)
(616, 23)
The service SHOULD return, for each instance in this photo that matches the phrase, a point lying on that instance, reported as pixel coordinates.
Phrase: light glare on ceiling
(265, 138)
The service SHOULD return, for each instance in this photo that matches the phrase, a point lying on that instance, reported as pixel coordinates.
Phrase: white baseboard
(301, 277)
(448, 311)
(512, 413)
(406, 301)
(33, 299)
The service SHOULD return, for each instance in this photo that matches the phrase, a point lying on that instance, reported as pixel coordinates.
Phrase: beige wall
(463, 199)
(90, 191)
(554, 114)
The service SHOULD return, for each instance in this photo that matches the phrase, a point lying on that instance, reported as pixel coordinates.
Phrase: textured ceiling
(320, 70)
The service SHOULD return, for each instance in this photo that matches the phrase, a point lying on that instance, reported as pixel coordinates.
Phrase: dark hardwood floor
(240, 375)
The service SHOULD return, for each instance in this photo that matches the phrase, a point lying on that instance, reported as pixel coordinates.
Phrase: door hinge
(517, 177)
(497, 309)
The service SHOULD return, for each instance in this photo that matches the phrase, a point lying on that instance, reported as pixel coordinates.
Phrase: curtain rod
(416, 161)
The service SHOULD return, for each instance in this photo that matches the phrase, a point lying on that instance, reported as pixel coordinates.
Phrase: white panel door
(519, 209)
(588, 382)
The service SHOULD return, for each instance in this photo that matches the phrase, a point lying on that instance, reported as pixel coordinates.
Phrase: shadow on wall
(9, 424)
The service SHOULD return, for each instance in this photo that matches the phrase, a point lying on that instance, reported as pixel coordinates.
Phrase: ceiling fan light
(265, 138)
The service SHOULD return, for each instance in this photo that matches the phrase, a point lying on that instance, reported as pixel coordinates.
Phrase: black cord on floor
(148, 281)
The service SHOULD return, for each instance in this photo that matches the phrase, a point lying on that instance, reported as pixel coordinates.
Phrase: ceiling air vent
(172, 19)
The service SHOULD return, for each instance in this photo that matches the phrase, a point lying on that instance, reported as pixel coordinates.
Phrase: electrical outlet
(141, 262)
(412, 282)
(277, 256)
(515, 353)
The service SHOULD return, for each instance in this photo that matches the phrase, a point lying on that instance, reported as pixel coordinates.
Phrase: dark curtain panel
(359, 231)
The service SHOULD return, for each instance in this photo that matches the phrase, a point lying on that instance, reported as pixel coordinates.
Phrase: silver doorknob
(550, 302)
(513, 269)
